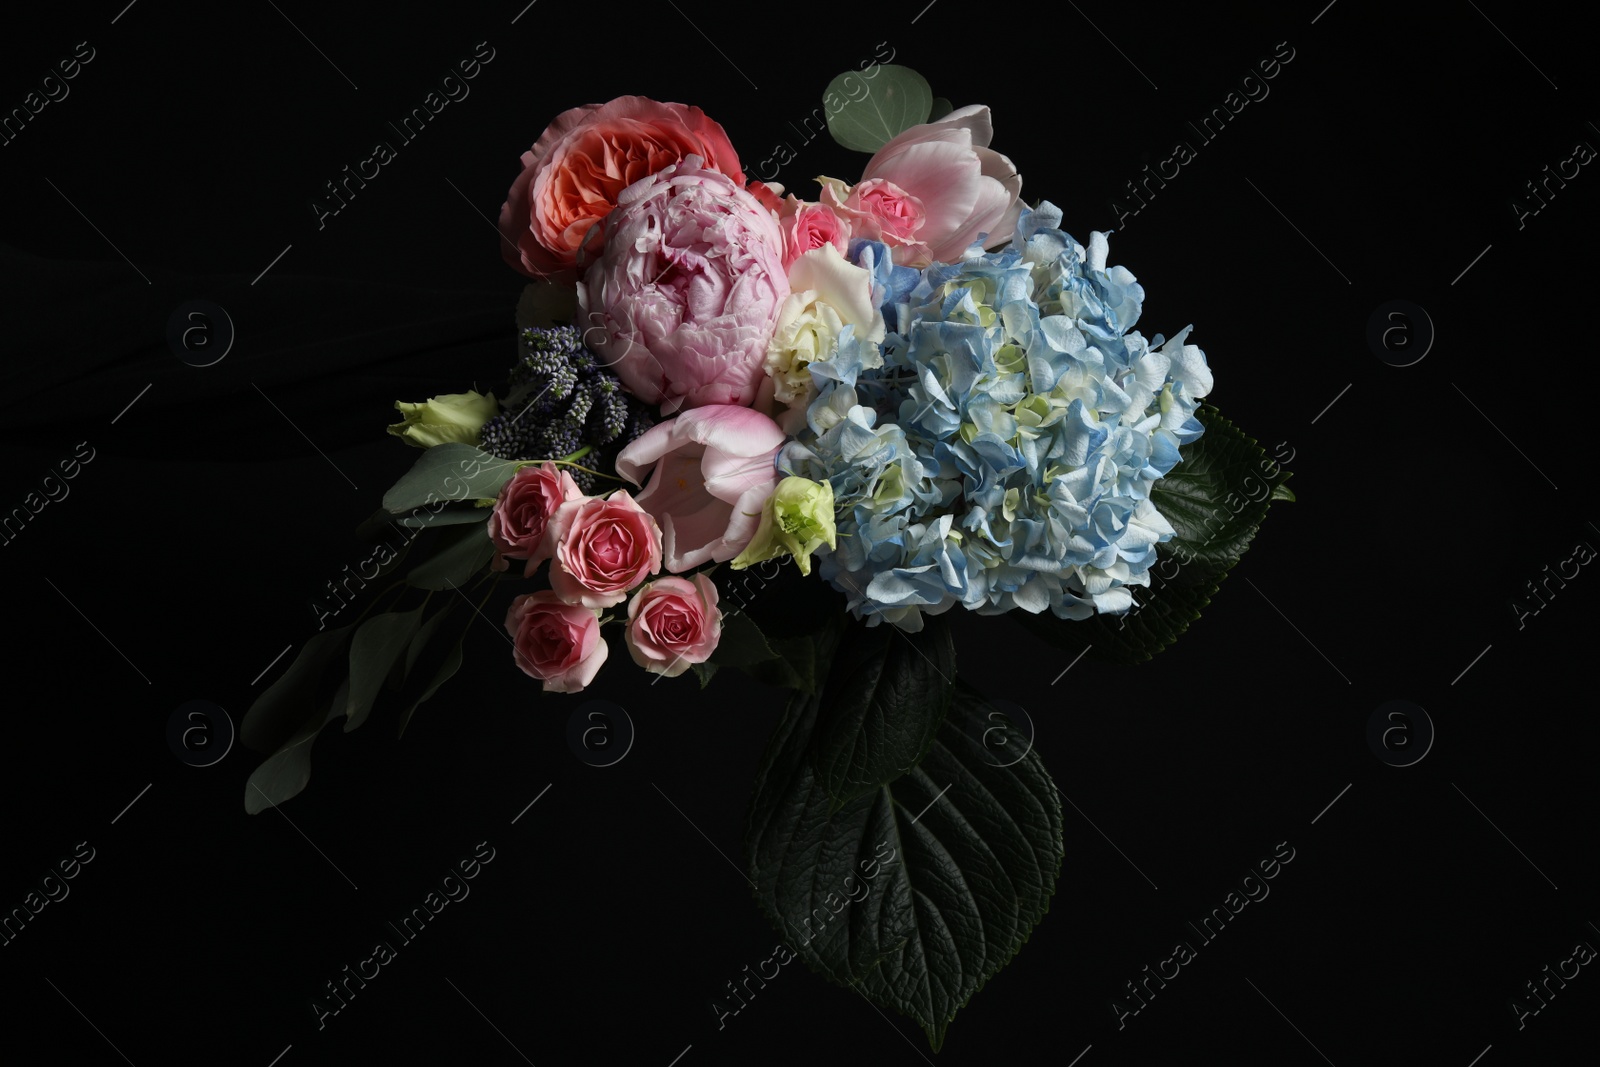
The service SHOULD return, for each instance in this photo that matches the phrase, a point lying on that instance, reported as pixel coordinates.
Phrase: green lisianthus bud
(796, 520)
(457, 417)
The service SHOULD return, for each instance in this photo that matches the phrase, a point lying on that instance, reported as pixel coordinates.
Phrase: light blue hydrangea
(997, 449)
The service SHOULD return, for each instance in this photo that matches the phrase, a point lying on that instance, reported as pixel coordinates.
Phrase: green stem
(597, 474)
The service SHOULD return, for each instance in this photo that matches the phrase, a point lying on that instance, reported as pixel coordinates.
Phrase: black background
(1385, 158)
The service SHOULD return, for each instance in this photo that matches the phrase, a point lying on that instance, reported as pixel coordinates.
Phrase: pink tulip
(711, 472)
(932, 191)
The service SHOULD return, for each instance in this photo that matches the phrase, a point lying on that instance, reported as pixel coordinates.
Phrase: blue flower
(998, 447)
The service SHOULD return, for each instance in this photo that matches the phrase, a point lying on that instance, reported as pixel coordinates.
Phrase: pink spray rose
(930, 192)
(556, 642)
(711, 472)
(519, 523)
(574, 173)
(674, 623)
(681, 303)
(604, 548)
(810, 226)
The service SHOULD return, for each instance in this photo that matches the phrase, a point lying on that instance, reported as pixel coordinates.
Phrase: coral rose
(572, 176)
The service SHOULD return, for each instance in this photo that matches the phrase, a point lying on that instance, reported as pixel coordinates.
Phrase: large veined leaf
(884, 699)
(897, 99)
(1218, 494)
(783, 662)
(1215, 499)
(916, 893)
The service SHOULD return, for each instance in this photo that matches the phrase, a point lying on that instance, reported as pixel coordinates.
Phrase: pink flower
(519, 524)
(681, 303)
(807, 227)
(555, 642)
(673, 623)
(769, 194)
(712, 474)
(886, 211)
(933, 190)
(574, 173)
(604, 548)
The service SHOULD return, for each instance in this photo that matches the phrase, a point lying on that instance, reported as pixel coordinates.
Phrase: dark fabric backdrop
(1385, 162)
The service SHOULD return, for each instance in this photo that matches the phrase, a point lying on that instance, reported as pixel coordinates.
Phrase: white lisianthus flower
(826, 294)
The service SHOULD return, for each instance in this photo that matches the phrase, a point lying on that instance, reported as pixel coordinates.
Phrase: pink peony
(604, 548)
(572, 176)
(807, 227)
(712, 474)
(519, 523)
(932, 191)
(556, 642)
(682, 302)
(674, 623)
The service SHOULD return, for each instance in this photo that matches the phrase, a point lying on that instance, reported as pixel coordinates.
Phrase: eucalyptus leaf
(453, 516)
(462, 556)
(449, 473)
(425, 633)
(941, 108)
(442, 674)
(897, 99)
(276, 712)
(433, 658)
(375, 649)
(285, 773)
(918, 892)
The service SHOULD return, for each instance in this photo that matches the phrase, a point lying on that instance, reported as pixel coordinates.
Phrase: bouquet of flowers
(917, 385)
